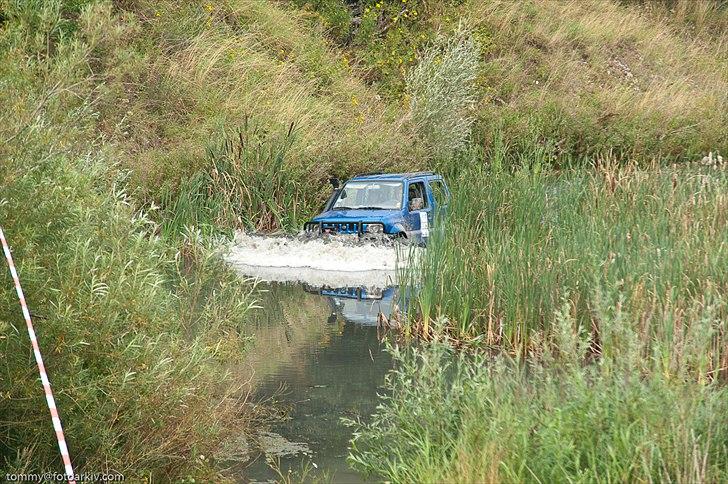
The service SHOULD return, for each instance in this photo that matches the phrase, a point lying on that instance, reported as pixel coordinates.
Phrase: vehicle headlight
(375, 228)
(311, 226)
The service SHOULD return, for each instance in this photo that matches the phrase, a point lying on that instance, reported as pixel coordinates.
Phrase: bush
(442, 93)
(552, 417)
(137, 333)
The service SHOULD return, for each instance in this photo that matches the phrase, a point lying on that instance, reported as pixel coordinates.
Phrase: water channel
(318, 353)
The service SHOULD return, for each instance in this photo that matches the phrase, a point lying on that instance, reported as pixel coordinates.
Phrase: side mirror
(416, 204)
(334, 182)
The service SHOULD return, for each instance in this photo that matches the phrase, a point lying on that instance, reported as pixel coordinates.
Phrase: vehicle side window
(439, 192)
(417, 198)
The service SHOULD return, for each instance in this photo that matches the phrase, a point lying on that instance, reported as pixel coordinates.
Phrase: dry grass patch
(177, 76)
(600, 76)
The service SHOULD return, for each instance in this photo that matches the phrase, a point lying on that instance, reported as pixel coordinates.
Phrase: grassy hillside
(581, 78)
(704, 21)
(175, 80)
(177, 84)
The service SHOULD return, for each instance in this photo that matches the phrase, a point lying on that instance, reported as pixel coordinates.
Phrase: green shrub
(552, 417)
(137, 333)
(442, 94)
(594, 301)
(136, 341)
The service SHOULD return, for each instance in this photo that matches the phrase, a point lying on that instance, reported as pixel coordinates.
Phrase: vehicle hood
(358, 215)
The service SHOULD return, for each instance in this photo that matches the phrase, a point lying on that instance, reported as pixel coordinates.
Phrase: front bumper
(345, 228)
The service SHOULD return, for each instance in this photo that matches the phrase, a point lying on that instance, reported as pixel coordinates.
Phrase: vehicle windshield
(371, 195)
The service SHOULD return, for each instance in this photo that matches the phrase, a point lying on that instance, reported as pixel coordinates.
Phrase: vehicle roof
(396, 176)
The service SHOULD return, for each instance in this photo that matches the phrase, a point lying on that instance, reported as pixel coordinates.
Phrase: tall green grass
(245, 183)
(517, 243)
(137, 332)
(593, 303)
(629, 417)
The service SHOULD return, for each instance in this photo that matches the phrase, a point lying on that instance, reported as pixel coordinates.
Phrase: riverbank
(136, 331)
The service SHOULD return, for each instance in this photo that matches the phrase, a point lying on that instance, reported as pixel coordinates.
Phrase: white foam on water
(334, 261)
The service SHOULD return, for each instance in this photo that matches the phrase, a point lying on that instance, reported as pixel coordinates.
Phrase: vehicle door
(439, 197)
(419, 209)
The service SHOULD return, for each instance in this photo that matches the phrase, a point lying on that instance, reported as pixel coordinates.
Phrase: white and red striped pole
(41, 367)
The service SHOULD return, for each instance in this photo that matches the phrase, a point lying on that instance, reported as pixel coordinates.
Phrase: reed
(591, 304)
(246, 183)
(517, 243)
(549, 417)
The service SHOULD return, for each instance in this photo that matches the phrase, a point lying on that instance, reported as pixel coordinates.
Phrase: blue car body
(423, 195)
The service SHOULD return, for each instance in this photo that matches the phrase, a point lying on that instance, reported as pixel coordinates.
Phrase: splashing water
(329, 261)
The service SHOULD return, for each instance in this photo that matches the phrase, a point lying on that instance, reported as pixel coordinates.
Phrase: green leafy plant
(246, 183)
(442, 93)
(556, 414)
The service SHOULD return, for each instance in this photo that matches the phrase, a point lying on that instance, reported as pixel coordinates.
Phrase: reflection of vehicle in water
(360, 305)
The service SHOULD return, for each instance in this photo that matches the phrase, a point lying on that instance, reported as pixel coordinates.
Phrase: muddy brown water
(318, 354)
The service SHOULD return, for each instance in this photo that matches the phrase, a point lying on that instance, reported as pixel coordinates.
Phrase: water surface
(319, 354)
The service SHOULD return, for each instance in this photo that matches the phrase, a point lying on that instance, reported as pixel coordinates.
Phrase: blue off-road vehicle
(396, 204)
